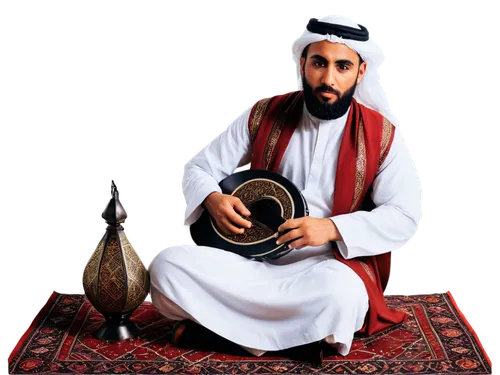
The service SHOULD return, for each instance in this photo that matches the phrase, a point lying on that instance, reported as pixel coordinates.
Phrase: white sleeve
(397, 197)
(202, 174)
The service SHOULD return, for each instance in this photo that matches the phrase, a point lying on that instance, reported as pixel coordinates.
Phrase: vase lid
(114, 212)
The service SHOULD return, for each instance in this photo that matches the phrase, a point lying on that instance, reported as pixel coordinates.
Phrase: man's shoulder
(372, 115)
(272, 108)
(274, 105)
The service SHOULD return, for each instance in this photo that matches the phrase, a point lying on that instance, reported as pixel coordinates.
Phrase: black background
(127, 92)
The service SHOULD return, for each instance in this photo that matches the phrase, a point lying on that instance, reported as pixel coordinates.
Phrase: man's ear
(362, 71)
(302, 60)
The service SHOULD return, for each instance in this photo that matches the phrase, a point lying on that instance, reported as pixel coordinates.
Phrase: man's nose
(329, 76)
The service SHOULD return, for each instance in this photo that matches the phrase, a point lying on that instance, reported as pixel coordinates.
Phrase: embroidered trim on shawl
(260, 109)
(360, 166)
(273, 139)
(387, 129)
(368, 270)
(287, 108)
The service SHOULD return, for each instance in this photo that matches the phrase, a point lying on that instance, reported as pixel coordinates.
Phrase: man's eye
(343, 67)
(319, 63)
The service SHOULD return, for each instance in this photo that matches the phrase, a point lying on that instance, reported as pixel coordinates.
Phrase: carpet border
(469, 326)
(41, 314)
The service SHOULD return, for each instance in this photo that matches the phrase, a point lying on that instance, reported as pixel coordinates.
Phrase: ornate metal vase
(115, 280)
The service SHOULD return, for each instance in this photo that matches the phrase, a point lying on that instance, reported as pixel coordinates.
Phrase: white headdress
(369, 92)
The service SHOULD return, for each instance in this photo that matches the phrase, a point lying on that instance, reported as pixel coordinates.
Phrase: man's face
(330, 73)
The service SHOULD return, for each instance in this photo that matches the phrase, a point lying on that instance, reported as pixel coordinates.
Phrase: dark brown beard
(325, 111)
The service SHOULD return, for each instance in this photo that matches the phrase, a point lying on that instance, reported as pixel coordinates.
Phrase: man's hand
(308, 231)
(222, 207)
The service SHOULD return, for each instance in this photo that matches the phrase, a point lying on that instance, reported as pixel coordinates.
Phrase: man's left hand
(308, 231)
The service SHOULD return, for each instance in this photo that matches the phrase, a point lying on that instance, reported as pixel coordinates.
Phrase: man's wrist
(204, 203)
(333, 233)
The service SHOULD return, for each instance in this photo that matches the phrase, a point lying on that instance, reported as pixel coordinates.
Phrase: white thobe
(307, 295)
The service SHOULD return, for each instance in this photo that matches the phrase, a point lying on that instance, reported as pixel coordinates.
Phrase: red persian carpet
(435, 339)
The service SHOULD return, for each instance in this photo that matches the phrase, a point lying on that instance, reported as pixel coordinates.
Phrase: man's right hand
(224, 210)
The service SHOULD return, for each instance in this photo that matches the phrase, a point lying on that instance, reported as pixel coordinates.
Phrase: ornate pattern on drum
(248, 193)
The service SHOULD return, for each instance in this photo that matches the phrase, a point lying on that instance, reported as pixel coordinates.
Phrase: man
(336, 142)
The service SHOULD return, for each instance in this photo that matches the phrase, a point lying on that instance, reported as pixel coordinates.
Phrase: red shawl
(366, 141)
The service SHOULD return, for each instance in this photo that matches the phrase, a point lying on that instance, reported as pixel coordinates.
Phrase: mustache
(325, 88)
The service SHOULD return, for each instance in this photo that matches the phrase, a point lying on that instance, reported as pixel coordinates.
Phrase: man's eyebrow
(341, 61)
(319, 57)
(345, 62)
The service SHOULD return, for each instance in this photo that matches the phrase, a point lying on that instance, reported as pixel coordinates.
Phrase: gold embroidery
(367, 269)
(260, 109)
(278, 127)
(273, 139)
(360, 167)
(386, 136)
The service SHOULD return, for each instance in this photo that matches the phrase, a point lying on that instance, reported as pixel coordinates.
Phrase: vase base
(117, 327)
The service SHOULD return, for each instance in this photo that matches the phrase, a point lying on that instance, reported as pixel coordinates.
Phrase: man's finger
(241, 208)
(297, 244)
(293, 234)
(238, 220)
(231, 228)
(289, 224)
